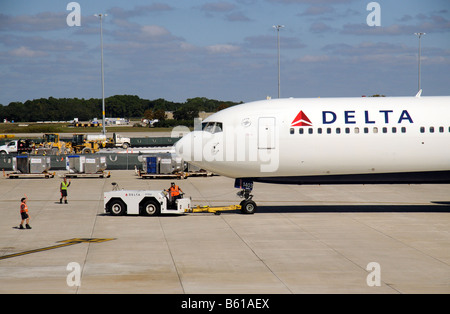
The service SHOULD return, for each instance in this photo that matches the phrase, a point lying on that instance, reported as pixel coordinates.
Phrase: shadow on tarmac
(434, 207)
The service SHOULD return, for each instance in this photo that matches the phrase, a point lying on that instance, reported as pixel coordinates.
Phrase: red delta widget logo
(351, 117)
(301, 120)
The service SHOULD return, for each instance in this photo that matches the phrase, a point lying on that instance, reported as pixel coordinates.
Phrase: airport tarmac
(303, 239)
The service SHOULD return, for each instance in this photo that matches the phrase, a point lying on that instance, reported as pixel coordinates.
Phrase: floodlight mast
(278, 27)
(101, 15)
(420, 53)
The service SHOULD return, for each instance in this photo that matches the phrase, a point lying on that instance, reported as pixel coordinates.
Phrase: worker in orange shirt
(174, 192)
(24, 213)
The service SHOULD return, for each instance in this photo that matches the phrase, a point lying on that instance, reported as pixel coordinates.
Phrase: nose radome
(179, 147)
(183, 147)
(190, 147)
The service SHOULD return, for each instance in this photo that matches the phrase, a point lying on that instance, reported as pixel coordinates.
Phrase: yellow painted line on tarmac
(64, 243)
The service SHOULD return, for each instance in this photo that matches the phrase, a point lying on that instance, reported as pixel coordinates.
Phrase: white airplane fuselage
(327, 141)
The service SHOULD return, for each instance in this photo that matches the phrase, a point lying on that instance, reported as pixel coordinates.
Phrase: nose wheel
(248, 206)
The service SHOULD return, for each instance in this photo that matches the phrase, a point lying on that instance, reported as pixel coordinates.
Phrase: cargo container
(31, 164)
(85, 164)
(161, 164)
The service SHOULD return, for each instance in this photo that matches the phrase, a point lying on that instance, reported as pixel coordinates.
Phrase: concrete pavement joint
(171, 256)
(100, 205)
(337, 251)
(259, 258)
(401, 242)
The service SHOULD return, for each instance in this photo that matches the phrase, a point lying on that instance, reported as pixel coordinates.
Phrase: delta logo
(301, 120)
(351, 117)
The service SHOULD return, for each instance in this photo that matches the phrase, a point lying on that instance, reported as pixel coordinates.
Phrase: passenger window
(328, 130)
(338, 130)
(422, 129)
(403, 130)
(431, 129)
(310, 130)
(366, 130)
(441, 129)
(384, 130)
(375, 130)
(300, 131)
(356, 130)
(394, 129)
(347, 130)
(319, 130)
(291, 130)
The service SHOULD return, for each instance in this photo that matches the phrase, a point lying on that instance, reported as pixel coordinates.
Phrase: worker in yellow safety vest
(63, 188)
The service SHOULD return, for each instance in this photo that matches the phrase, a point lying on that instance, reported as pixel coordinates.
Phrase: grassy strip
(63, 128)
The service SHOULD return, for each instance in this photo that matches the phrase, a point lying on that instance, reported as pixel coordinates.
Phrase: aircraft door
(266, 133)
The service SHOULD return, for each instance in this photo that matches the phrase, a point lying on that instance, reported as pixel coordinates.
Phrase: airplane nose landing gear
(247, 205)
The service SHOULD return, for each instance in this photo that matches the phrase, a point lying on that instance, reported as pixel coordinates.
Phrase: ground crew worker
(174, 192)
(24, 213)
(63, 188)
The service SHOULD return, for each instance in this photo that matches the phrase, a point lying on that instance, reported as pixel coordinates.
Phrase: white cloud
(222, 48)
(218, 7)
(139, 10)
(319, 27)
(314, 59)
(187, 46)
(25, 52)
(317, 10)
(154, 31)
(310, 1)
(431, 23)
(45, 21)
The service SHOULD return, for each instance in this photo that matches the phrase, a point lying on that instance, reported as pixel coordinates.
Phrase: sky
(224, 50)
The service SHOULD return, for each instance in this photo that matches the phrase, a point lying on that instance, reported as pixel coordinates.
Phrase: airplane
(364, 140)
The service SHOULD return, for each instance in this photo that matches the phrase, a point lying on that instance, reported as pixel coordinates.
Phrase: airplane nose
(182, 147)
(190, 147)
(179, 146)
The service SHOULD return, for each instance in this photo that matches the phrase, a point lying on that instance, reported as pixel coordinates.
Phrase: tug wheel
(151, 208)
(117, 208)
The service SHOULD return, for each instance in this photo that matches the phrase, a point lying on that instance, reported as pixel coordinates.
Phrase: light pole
(420, 36)
(100, 15)
(278, 27)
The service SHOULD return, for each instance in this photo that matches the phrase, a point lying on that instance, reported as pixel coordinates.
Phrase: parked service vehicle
(116, 141)
(121, 141)
(17, 146)
(150, 203)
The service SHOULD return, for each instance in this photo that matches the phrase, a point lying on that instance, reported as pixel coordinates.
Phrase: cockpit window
(212, 127)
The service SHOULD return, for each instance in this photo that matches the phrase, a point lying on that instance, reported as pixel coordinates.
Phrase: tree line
(123, 106)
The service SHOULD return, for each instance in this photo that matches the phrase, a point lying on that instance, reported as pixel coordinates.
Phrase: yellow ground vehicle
(52, 144)
(80, 144)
